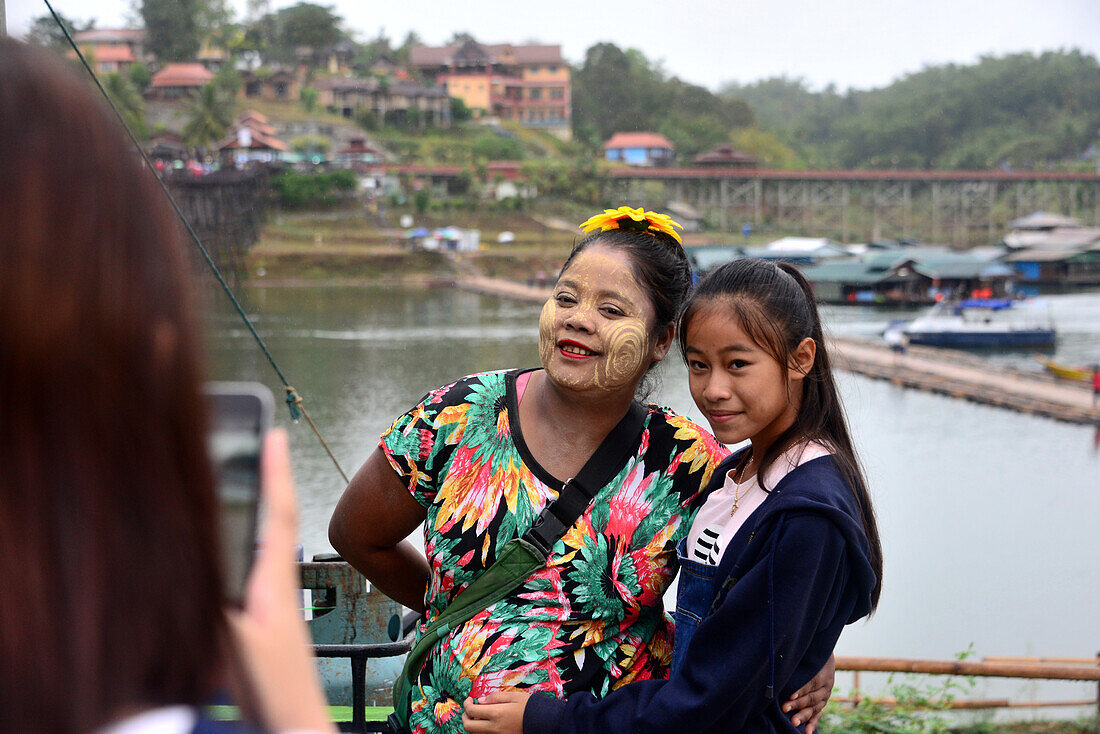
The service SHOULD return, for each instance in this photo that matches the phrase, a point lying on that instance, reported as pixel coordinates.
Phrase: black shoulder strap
(577, 493)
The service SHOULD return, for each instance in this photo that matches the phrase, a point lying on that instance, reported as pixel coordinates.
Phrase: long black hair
(775, 306)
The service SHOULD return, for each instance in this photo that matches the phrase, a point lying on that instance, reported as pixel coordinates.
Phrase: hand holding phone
(272, 639)
(240, 417)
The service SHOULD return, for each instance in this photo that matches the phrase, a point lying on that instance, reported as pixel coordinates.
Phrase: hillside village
(469, 121)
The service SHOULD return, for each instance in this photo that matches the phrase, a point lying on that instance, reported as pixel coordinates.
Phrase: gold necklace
(738, 474)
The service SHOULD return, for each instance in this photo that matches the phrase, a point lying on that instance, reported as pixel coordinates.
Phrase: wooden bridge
(952, 207)
(226, 209)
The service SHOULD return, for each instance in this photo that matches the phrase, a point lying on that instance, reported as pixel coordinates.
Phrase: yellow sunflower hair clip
(638, 219)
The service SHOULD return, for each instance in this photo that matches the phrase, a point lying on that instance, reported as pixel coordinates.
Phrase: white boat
(982, 322)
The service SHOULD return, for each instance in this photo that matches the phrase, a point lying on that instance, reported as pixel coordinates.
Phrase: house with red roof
(107, 59)
(251, 138)
(96, 40)
(178, 80)
(639, 149)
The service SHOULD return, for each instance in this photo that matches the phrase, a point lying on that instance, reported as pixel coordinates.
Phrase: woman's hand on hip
(808, 702)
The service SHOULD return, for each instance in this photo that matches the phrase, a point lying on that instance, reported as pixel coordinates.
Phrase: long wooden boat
(1083, 374)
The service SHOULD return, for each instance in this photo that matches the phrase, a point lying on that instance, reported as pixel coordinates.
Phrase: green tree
(621, 90)
(139, 76)
(308, 97)
(612, 92)
(129, 103)
(208, 115)
(402, 52)
(460, 37)
(215, 22)
(307, 24)
(372, 50)
(172, 28)
(228, 80)
(44, 30)
(459, 110)
(1020, 110)
(767, 147)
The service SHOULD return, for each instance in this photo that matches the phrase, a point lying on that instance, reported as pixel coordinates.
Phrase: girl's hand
(808, 702)
(269, 634)
(497, 713)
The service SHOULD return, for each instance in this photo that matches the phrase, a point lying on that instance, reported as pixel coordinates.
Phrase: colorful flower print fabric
(591, 620)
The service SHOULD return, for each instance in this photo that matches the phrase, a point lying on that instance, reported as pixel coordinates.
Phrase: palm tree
(209, 115)
(129, 103)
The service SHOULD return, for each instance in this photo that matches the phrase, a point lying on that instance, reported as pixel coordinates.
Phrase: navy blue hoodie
(796, 572)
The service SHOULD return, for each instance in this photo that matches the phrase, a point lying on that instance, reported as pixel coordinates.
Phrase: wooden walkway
(948, 372)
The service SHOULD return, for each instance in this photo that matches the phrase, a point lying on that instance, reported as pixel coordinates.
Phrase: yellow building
(528, 84)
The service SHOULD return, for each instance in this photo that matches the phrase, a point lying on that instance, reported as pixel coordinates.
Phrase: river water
(988, 517)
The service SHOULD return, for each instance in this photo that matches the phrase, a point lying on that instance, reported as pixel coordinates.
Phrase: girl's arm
(369, 528)
(728, 670)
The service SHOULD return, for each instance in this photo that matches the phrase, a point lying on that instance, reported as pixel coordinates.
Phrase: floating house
(1051, 249)
(911, 276)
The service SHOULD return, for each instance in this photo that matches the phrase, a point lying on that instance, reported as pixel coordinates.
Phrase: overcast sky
(850, 43)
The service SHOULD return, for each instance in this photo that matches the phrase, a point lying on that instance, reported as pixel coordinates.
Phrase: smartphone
(240, 415)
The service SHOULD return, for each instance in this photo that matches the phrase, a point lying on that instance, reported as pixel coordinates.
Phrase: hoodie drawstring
(769, 692)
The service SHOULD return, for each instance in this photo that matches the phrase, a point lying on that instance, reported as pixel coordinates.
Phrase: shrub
(298, 190)
(498, 147)
(139, 76)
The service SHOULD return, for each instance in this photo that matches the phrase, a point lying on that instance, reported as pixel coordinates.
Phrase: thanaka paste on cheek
(626, 353)
(546, 332)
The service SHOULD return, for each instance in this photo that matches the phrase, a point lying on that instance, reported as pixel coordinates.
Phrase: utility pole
(3, 21)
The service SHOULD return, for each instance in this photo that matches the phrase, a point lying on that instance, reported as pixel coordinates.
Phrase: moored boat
(981, 323)
(1081, 374)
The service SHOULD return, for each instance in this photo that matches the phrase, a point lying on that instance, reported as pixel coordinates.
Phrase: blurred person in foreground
(112, 613)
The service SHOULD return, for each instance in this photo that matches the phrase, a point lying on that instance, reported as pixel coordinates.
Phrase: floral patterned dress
(593, 618)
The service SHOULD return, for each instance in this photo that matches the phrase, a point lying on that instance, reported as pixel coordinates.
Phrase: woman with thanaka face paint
(476, 461)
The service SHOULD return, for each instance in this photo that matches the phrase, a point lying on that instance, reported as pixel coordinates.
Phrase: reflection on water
(988, 517)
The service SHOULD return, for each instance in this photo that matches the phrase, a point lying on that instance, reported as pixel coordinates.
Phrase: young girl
(784, 551)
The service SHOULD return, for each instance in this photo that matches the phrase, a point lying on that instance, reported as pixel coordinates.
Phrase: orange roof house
(107, 59)
(102, 38)
(251, 139)
(176, 80)
(639, 149)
